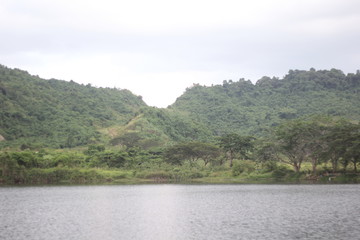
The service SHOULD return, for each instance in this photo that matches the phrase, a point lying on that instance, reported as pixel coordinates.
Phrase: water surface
(181, 212)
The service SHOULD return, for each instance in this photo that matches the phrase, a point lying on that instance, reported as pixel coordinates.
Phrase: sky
(159, 48)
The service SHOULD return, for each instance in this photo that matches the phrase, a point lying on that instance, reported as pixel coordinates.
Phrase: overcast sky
(158, 48)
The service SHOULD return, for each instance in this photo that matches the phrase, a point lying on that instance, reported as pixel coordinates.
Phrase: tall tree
(292, 143)
(313, 133)
(191, 151)
(206, 151)
(343, 144)
(234, 144)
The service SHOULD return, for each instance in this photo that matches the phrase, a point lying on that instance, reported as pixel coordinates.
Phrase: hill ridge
(60, 114)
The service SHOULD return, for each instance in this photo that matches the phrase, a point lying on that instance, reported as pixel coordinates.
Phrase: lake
(173, 211)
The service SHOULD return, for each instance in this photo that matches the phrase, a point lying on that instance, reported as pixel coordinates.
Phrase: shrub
(156, 175)
(196, 175)
(269, 166)
(280, 172)
(243, 166)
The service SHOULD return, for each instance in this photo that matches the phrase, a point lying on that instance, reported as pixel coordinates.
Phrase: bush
(269, 166)
(243, 166)
(156, 175)
(280, 172)
(196, 175)
(237, 169)
(61, 175)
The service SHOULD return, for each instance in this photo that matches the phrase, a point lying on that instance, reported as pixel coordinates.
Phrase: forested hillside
(154, 127)
(249, 109)
(58, 113)
(52, 113)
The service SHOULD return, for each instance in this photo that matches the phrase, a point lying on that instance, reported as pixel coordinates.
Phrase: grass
(165, 173)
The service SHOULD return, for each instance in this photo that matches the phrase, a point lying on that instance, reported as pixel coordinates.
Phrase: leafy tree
(313, 131)
(292, 143)
(176, 154)
(205, 151)
(236, 144)
(129, 139)
(343, 144)
(191, 151)
(267, 153)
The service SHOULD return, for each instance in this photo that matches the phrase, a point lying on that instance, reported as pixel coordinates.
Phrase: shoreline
(196, 181)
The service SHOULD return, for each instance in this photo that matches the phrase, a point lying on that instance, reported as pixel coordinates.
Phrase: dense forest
(245, 108)
(57, 113)
(304, 126)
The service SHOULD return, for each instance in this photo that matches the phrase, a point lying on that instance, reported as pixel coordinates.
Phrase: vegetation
(52, 113)
(55, 132)
(299, 150)
(243, 108)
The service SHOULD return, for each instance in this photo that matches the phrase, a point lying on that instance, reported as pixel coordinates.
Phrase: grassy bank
(111, 167)
(59, 175)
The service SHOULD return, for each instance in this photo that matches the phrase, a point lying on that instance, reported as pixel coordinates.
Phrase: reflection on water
(181, 212)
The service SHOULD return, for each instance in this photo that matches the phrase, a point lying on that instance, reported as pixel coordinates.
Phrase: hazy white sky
(158, 48)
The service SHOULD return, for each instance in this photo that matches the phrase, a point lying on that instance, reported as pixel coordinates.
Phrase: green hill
(59, 114)
(155, 127)
(52, 113)
(245, 108)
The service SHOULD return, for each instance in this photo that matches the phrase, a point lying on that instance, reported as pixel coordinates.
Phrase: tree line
(316, 141)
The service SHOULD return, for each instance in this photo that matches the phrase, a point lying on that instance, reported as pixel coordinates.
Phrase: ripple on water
(181, 212)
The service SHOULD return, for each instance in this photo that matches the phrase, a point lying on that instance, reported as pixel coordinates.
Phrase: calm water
(181, 212)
